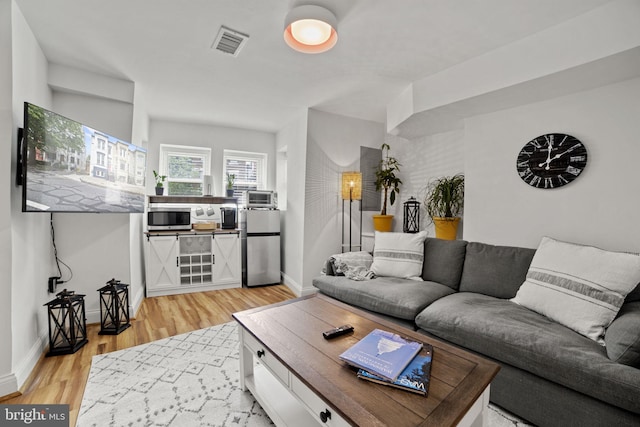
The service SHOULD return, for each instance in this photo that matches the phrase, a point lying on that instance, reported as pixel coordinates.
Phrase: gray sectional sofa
(550, 375)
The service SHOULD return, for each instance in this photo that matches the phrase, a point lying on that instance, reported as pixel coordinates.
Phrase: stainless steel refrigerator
(260, 246)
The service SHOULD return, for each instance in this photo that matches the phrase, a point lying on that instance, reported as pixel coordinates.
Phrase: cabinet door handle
(260, 353)
(325, 415)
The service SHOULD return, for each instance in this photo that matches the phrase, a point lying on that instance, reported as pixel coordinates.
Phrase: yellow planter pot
(446, 228)
(383, 222)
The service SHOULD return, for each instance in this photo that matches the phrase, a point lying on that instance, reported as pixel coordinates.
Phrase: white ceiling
(164, 46)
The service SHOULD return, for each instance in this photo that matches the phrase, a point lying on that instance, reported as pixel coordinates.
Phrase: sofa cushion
(581, 287)
(497, 271)
(622, 338)
(398, 254)
(512, 334)
(443, 260)
(403, 298)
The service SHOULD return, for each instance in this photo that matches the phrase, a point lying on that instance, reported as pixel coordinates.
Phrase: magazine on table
(414, 378)
(382, 353)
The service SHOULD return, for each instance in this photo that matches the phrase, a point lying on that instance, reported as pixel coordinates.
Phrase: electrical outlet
(53, 284)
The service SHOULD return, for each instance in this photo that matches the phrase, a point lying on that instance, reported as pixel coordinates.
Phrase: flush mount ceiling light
(310, 29)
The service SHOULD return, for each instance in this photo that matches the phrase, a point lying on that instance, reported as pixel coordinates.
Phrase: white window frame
(263, 165)
(167, 150)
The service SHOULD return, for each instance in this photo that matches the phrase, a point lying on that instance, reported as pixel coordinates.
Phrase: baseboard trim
(136, 302)
(291, 284)
(296, 288)
(92, 316)
(24, 369)
(309, 291)
(8, 386)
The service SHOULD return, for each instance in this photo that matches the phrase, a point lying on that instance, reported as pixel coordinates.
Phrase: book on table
(414, 378)
(382, 353)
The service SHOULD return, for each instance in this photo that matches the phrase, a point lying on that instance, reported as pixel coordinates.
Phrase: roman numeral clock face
(551, 160)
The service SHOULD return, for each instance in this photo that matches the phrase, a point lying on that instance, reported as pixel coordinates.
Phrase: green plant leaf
(445, 196)
(386, 178)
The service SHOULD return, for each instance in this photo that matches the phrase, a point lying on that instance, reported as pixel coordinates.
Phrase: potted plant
(444, 202)
(386, 180)
(231, 178)
(159, 183)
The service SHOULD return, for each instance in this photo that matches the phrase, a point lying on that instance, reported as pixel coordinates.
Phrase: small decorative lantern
(411, 223)
(67, 323)
(114, 308)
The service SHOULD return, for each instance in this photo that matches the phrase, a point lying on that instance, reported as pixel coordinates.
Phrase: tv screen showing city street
(70, 167)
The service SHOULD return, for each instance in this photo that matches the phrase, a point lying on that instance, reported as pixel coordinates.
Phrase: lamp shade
(351, 186)
(310, 29)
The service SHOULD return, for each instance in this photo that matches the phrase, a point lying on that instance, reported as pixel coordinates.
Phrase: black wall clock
(551, 160)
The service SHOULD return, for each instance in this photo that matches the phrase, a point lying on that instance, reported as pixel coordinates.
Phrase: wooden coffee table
(297, 377)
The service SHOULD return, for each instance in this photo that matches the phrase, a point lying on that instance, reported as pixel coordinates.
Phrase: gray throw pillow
(622, 338)
(496, 271)
(634, 295)
(443, 260)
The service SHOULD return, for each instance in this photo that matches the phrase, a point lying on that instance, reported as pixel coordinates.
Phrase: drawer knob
(325, 415)
(260, 353)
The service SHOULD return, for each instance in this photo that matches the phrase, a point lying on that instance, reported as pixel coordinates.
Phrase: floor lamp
(351, 190)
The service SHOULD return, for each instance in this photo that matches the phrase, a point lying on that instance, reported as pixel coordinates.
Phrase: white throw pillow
(580, 287)
(398, 254)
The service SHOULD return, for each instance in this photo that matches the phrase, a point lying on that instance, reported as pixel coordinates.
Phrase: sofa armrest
(622, 338)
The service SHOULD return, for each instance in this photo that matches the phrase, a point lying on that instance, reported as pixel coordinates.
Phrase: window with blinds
(249, 169)
(185, 168)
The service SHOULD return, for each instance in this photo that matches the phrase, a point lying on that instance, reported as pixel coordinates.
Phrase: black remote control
(336, 332)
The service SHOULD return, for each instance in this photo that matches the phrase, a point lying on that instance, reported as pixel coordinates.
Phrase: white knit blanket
(354, 265)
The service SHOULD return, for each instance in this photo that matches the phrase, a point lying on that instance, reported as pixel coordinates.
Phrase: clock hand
(567, 151)
(549, 148)
(549, 153)
(557, 156)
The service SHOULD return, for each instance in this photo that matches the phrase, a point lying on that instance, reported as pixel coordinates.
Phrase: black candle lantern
(67, 323)
(114, 308)
(411, 223)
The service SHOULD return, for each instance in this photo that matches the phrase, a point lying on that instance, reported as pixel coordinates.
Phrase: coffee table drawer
(266, 358)
(321, 411)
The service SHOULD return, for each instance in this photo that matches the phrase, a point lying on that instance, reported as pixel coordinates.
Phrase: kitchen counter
(191, 232)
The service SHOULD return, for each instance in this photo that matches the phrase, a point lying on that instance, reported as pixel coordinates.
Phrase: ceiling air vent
(229, 41)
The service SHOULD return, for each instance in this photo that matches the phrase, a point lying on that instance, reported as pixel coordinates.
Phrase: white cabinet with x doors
(191, 262)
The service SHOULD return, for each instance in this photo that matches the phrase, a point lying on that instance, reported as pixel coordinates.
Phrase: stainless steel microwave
(169, 219)
(261, 199)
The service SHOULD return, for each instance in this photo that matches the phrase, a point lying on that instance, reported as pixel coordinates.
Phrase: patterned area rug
(186, 380)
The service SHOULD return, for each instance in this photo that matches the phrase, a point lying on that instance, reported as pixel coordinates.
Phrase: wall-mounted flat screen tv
(70, 167)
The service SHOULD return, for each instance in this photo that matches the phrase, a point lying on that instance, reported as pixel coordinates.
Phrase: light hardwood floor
(61, 379)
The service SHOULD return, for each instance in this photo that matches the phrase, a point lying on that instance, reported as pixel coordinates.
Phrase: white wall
(96, 247)
(8, 382)
(218, 138)
(422, 160)
(293, 138)
(31, 259)
(569, 57)
(107, 115)
(599, 208)
(333, 147)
